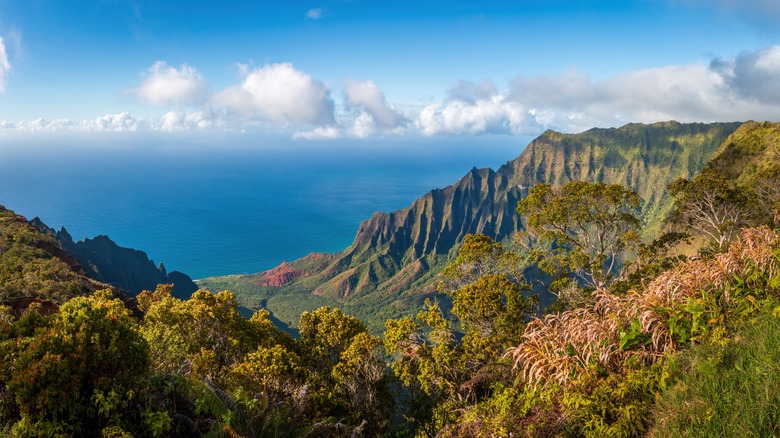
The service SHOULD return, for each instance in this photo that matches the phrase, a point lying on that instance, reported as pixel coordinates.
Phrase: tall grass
(725, 389)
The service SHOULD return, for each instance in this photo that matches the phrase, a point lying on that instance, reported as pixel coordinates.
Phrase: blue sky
(319, 70)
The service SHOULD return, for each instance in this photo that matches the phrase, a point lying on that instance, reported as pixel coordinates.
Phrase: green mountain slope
(752, 149)
(32, 265)
(392, 264)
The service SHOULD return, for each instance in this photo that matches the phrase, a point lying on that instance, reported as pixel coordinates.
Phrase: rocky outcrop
(280, 275)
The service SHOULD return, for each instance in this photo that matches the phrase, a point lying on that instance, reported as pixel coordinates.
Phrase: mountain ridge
(128, 269)
(395, 256)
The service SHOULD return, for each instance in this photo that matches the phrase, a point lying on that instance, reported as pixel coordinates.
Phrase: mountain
(392, 264)
(128, 269)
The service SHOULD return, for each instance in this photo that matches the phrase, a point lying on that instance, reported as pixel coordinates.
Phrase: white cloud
(753, 75)
(43, 125)
(368, 97)
(177, 121)
(319, 133)
(473, 109)
(315, 13)
(363, 126)
(121, 122)
(746, 87)
(165, 86)
(280, 94)
(5, 65)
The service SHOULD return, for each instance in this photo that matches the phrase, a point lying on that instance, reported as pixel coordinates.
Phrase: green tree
(325, 334)
(766, 185)
(588, 226)
(481, 255)
(361, 374)
(346, 369)
(443, 371)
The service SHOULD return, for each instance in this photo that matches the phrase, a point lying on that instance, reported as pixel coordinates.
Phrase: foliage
(589, 225)
(766, 184)
(81, 371)
(202, 337)
(480, 255)
(650, 261)
(441, 369)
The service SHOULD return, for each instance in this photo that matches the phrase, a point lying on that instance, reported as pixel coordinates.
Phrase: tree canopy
(587, 225)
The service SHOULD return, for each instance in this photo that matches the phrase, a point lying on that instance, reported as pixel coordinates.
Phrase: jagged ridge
(401, 251)
(128, 269)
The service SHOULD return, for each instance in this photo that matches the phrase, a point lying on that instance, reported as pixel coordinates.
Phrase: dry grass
(559, 346)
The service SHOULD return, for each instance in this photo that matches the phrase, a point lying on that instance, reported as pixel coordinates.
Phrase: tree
(481, 255)
(345, 368)
(710, 207)
(361, 373)
(588, 226)
(325, 334)
(446, 362)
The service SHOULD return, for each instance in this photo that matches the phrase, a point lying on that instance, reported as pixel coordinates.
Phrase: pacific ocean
(213, 210)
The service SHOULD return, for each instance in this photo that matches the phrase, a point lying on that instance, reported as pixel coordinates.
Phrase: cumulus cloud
(43, 125)
(753, 75)
(315, 13)
(472, 109)
(177, 121)
(120, 122)
(5, 65)
(173, 121)
(281, 94)
(165, 86)
(742, 88)
(366, 96)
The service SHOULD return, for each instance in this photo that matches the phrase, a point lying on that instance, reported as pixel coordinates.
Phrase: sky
(318, 71)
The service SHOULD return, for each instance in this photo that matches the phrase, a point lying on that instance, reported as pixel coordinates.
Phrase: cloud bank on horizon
(728, 89)
(282, 97)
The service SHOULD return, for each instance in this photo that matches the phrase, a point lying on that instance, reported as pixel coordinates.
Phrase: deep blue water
(214, 211)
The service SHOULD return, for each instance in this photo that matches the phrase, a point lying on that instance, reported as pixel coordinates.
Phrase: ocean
(210, 211)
